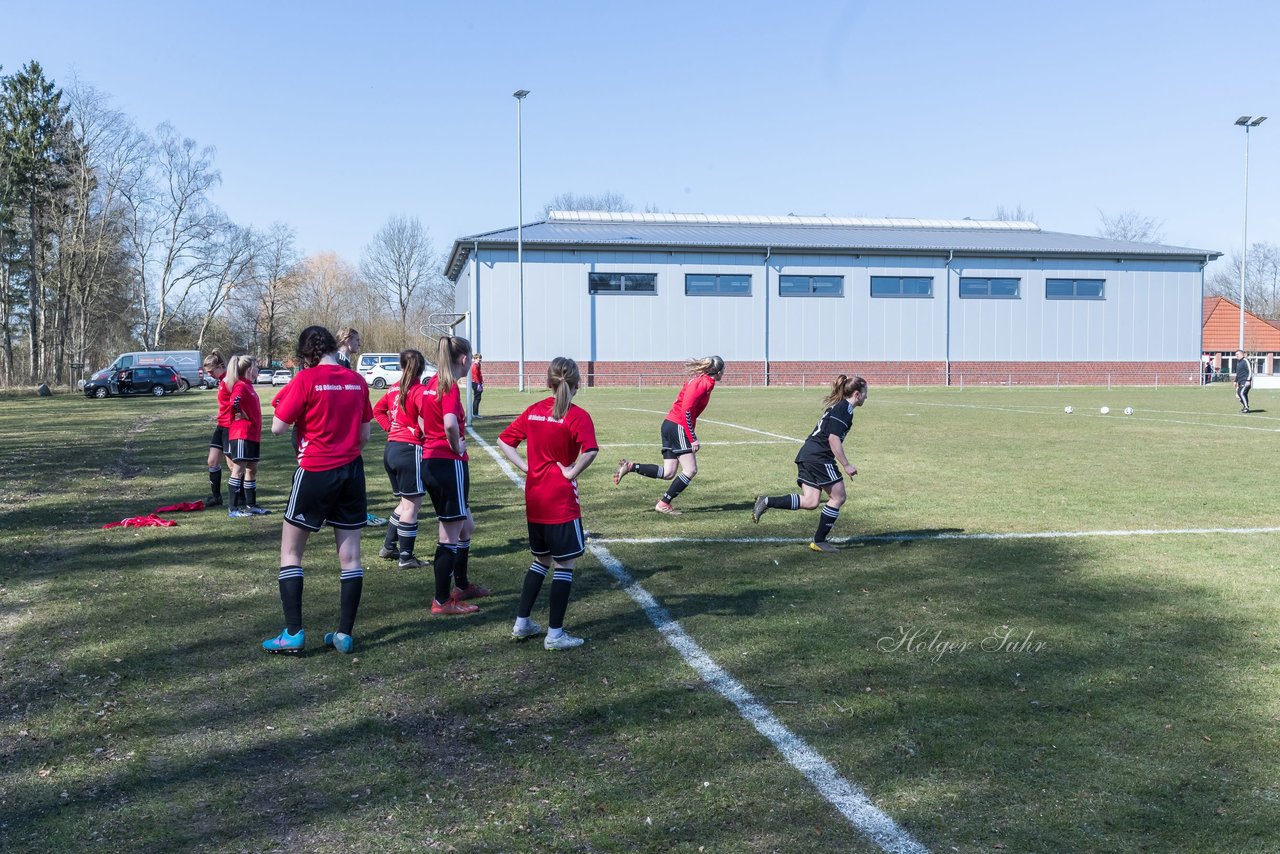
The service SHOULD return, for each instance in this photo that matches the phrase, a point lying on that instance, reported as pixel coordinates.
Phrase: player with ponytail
(216, 367)
(397, 413)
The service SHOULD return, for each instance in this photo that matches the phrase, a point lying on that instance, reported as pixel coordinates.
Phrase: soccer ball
(1068, 410)
(1128, 410)
(1106, 410)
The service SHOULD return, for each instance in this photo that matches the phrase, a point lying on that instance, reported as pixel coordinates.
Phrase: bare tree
(277, 279)
(327, 291)
(1017, 213)
(226, 263)
(607, 201)
(1262, 280)
(399, 263)
(1132, 226)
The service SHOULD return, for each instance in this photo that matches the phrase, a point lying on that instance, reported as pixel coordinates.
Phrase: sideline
(850, 800)
(942, 535)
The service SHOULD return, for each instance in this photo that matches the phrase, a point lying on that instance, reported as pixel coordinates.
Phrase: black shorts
(448, 483)
(219, 438)
(335, 497)
(563, 541)
(244, 450)
(403, 462)
(675, 443)
(818, 474)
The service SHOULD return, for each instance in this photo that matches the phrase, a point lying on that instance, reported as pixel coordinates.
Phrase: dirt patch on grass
(127, 466)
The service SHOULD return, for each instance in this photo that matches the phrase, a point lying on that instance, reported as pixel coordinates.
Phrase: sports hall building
(795, 300)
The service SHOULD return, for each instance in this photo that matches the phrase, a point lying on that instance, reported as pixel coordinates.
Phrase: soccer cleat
(520, 634)
(389, 554)
(238, 513)
(823, 547)
(471, 591)
(452, 607)
(564, 641)
(213, 501)
(374, 521)
(757, 509)
(412, 563)
(339, 641)
(666, 509)
(255, 510)
(285, 642)
(624, 468)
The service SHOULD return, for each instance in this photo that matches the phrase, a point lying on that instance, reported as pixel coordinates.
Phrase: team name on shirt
(347, 387)
(546, 418)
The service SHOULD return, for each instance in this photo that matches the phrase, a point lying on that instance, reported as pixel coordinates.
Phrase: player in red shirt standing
(244, 437)
(448, 480)
(397, 413)
(679, 441)
(215, 367)
(329, 404)
(562, 443)
(477, 385)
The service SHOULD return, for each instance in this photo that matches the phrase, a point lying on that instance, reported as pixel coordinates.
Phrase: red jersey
(401, 425)
(477, 375)
(549, 499)
(690, 402)
(246, 411)
(224, 403)
(328, 404)
(431, 409)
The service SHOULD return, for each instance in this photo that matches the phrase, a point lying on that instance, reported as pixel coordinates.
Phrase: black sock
(826, 522)
(561, 586)
(291, 597)
(251, 493)
(233, 492)
(462, 553)
(647, 470)
(532, 585)
(393, 531)
(215, 481)
(784, 502)
(677, 486)
(408, 538)
(349, 598)
(444, 571)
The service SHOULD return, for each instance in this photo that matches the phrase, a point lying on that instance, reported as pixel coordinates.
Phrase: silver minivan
(186, 362)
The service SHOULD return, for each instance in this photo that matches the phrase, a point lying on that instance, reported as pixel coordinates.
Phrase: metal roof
(816, 234)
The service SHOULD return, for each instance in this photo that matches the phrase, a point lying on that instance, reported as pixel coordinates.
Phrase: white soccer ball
(1068, 410)
(1128, 410)
(1105, 410)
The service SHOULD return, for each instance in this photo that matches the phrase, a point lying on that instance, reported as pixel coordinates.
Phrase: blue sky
(333, 116)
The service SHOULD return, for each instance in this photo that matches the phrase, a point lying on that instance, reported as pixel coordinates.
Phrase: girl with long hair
(562, 443)
(679, 441)
(244, 437)
(216, 367)
(329, 404)
(448, 479)
(817, 462)
(397, 414)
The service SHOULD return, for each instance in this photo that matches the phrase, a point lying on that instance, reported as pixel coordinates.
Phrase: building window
(711, 284)
(919, 287)
(976, 288)
(810, 286)
(1074, 288)
(622, 283)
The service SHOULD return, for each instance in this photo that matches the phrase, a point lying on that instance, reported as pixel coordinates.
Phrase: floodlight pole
(520, 95)
(1246, 122)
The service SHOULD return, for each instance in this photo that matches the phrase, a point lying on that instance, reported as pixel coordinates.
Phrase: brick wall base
(809, 374)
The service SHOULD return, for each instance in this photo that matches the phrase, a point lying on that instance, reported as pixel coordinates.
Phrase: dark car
(156, 381)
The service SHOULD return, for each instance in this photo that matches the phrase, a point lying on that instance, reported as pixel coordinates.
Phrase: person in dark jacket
(1244, 380)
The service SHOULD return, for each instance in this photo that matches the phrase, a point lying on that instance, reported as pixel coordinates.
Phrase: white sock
(555, 633)
(522, 623)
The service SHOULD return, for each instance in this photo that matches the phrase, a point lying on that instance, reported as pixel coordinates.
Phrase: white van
(383, 369)
(186, 362)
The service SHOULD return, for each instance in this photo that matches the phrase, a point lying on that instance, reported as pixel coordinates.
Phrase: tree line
(110, 241)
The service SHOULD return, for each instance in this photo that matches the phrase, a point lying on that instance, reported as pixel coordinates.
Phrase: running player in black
(817, 462)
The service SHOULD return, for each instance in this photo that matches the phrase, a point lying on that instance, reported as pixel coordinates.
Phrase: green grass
(136, 712)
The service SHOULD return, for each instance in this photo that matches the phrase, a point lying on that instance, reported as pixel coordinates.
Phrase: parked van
(186, 362)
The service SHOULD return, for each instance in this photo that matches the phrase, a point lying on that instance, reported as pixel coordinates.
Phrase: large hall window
(911, 287)
(622, 283)
(1074, 288)
(982, 288)
(716, 284)
(810, 286)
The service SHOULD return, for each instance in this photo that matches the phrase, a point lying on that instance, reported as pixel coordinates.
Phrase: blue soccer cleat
(339, 641)
(285, 642)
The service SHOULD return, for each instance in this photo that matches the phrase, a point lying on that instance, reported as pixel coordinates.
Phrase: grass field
(1082, 693)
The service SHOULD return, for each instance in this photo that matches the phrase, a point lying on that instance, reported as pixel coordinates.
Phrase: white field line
(849, 799)
(1117, 416)
(942, 535)
(722, 424)
(704, 444)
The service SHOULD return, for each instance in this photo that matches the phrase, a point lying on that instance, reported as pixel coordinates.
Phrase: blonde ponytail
(709, 365)
(563, 377)
(842, 388)
(237, 369)
(449, 353)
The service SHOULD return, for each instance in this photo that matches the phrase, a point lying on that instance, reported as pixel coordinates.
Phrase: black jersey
(835, 421)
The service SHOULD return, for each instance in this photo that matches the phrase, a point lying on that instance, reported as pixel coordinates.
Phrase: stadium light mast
(520, 95)
(1246, 122)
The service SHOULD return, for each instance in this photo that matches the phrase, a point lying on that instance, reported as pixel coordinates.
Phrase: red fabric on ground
(149, 521)
(184, 507)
